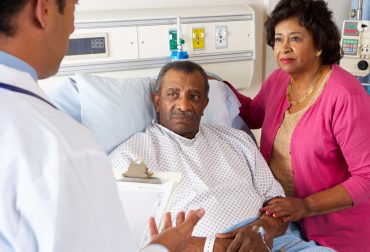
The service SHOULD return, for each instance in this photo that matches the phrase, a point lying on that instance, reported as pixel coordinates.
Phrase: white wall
(86, 5)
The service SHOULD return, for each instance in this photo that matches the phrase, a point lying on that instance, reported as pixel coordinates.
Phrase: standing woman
(315, 120)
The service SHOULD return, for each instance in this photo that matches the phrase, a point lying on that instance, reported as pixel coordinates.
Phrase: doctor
(57, 190)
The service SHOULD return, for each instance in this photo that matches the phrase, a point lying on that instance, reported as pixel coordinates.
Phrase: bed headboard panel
(126, 43)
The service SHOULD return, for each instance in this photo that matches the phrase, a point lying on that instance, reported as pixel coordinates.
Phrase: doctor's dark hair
(314, 16)
(181, 66)
(9, 9)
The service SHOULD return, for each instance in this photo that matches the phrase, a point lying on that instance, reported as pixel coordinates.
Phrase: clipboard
(140, 200)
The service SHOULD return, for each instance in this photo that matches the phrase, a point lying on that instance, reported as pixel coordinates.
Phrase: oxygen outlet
(362, 65)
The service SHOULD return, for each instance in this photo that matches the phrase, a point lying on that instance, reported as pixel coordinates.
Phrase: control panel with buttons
(356, 47)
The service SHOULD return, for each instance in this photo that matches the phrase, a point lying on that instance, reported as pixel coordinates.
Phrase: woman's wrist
(307, 207)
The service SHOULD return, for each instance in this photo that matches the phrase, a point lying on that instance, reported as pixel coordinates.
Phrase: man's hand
(288, 209)
(176, 238)
(256, 236)
(247, 238)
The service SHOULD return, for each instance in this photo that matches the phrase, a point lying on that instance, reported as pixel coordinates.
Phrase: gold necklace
(309, 92)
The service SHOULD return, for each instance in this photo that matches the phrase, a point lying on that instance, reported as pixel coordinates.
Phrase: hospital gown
(222, 171)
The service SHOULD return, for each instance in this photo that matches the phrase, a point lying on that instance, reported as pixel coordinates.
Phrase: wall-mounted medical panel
(153, 41)
(115, 43)
(356, 47)
(240, 36)
(139, 39)
(89, 45)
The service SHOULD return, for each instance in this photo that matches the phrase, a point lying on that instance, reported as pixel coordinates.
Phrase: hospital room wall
(261, 7)
(258, 6)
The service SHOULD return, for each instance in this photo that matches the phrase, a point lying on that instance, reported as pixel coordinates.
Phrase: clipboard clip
(138, 172)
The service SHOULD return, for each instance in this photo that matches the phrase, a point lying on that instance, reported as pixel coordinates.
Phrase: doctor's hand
(288, 209)
(176, 238)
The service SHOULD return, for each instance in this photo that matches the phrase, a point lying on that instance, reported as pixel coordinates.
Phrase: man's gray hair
(181, 66)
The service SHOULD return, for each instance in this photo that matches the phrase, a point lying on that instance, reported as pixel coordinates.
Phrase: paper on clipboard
(142, 200)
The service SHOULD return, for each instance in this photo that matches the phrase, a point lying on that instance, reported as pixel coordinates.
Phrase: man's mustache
(182, 113)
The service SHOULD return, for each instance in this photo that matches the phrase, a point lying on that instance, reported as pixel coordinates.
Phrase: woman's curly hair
(313, 15)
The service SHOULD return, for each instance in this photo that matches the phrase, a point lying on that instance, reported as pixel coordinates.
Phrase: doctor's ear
(41, 10)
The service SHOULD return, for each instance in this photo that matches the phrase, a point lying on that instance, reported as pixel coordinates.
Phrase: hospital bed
(116, 108)
(105, 80)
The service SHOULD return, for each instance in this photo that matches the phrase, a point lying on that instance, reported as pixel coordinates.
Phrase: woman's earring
(318, 53)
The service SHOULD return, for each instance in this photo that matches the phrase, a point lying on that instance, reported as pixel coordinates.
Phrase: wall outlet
(198, 38)
(221, 37)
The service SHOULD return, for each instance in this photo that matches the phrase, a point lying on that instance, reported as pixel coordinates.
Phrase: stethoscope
(24, 91)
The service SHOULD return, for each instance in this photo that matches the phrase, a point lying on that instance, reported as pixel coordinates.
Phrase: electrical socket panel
(198, 35)
(221, 36)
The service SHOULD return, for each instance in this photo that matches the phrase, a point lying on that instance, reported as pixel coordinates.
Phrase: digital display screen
(86, 46)
(350, 29)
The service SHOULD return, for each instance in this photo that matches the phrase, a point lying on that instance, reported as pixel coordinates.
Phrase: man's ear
(42, 12)
(205, 105)
(155, 98)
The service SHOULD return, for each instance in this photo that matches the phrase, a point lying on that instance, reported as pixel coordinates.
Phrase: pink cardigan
(330, 145)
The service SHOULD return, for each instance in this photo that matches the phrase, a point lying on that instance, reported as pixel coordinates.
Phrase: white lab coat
(57, 191)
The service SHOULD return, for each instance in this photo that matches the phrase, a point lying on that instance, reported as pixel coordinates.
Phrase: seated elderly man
(222, 169)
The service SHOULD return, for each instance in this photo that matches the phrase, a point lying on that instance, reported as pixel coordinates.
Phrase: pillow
(115, 109)
(64, 95)
(238, 123)
(223, 106)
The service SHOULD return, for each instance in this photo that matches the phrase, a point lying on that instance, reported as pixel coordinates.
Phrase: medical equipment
(179, 54)
(92, 45)
(356, 45)
(261, 232)
(127, 43)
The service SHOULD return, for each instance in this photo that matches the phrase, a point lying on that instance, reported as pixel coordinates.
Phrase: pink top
(330, 145)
